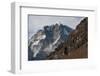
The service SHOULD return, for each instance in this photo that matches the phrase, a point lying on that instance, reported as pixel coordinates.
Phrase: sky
(37, 22)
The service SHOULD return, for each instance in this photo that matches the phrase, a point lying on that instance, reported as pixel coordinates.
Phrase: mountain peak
(76, 44)
(48, 38)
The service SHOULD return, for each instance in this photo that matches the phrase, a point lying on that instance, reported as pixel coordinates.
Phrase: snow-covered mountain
(46, 40)
(76, 45)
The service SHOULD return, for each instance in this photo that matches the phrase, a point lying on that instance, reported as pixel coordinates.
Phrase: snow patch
(35, 47)
(35, 42)
(56, 41)
(41, 37)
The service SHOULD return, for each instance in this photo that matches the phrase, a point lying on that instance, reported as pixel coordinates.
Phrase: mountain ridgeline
(76, 45)
(46, 40)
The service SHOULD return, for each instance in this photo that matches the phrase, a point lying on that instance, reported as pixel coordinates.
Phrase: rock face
(46, 40)
(76, 44)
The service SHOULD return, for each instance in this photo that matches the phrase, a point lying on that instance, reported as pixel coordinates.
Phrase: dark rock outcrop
(77, 41)
(47, 39)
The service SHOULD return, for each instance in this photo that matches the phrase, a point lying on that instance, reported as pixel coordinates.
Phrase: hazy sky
(37, 22)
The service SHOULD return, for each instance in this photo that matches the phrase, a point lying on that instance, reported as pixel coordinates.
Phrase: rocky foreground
(76, 46)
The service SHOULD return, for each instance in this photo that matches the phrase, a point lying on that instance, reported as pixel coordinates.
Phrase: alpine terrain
(46, 40)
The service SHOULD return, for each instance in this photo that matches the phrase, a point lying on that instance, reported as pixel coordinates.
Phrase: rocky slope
(46, 40)
(76, 45)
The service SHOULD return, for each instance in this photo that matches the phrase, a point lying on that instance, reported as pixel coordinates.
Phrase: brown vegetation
(76, 46)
